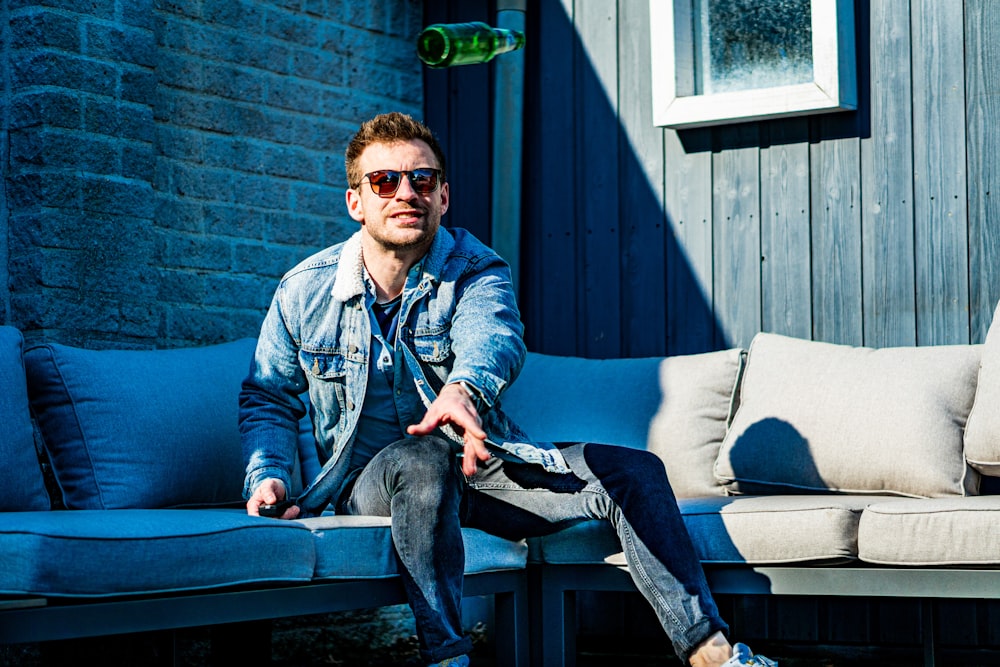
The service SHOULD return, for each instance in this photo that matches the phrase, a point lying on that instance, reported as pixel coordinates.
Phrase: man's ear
(445, 196)
(353, 198)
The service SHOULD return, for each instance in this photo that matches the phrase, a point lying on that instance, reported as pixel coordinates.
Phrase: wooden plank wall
(876, 227)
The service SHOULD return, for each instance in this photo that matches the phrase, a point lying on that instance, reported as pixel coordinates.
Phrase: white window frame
(833, 88)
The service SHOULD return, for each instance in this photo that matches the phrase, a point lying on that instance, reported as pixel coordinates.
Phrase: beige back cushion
(982, 434)
(696, 405)
(822, 417)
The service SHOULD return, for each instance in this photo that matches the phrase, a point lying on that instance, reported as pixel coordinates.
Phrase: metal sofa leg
(556, 622)
(927, 630)
(512, 637)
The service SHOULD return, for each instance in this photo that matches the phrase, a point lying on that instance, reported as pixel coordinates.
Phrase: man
(405, 336)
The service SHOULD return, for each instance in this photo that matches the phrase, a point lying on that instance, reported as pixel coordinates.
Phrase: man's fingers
(265, 494)
(475, 450)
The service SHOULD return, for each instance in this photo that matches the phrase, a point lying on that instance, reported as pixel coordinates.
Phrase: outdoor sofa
(145, 454)
(801, 468)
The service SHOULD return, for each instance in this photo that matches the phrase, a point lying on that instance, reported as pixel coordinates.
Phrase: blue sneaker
(742, 655)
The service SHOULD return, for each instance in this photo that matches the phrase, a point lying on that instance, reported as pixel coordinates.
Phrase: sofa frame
(556, 587)
(39, 619)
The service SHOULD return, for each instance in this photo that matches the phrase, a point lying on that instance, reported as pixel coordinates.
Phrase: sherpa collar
(350, 280)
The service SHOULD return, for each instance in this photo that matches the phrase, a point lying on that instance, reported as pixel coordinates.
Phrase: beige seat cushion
(757, 530)
(982, 433)
(933, 531)
(822, 417)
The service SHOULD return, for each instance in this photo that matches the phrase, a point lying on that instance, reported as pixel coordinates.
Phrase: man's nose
(405, 189)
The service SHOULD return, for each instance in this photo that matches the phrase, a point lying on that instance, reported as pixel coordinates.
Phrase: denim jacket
(458, 321)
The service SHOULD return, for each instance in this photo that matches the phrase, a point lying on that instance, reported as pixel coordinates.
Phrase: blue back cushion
(141, 428)
(20, 474)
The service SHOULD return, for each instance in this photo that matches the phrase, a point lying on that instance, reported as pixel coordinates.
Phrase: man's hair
(388, 128)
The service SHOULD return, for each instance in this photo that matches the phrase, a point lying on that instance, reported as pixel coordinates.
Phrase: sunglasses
(385, 182)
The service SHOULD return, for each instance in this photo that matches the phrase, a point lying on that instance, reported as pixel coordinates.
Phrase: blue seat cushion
(20, 474)
(349, 547)
(141, 428)
(107, 553)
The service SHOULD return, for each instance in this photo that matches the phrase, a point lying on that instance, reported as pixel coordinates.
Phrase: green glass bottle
(449, 44)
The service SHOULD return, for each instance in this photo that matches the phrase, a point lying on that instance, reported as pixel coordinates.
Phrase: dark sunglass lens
(424, 180)
(384, 183)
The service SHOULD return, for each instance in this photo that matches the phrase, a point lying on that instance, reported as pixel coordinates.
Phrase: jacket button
(350, 405)
(353, 348)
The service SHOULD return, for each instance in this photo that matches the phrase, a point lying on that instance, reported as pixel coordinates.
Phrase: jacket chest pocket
(323, 365)
(327, 374)
(433, 347)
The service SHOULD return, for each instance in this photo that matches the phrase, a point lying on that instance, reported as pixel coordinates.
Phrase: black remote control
(275, 510)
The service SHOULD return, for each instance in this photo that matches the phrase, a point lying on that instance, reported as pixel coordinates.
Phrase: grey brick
(180, 143)
(294, 162)
(334, 170)
(366, 15)
(63, 149)
(55, 108)
(180, 70)
(196, 323)
(138, 319)
(179, 214)
(234, 291)
(233, 82)
(119, 43)
(45, 28)
(138, 14)
(297, 229)
(49, 189)
(269, 261)
(319, 65)
(138, 85)
(138, 161)
(175, 34)
(238, 14)
(320, 8)
(296, 94)
(111, 117)
(189, 180)
(235, 221)
(289, 27)
(179, 286)
(196, 252)
(46, 68)
(124, 197)
(187, 8)
(54, 228)
(263, 192)
(100, 8)
(317, 199)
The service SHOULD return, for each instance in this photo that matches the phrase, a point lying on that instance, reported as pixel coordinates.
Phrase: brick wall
(165, 161)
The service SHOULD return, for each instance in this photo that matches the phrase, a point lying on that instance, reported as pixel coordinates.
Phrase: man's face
(407, 220)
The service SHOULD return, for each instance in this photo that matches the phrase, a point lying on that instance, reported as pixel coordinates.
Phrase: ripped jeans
(419, 483)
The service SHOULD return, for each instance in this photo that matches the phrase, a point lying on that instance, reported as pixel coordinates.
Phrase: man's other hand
(270, 492)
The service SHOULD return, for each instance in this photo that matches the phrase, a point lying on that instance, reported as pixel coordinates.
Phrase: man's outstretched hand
(453, 406)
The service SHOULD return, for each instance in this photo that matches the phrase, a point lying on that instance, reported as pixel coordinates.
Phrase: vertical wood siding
(877, 227)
